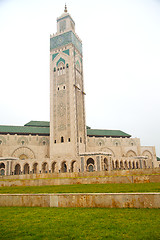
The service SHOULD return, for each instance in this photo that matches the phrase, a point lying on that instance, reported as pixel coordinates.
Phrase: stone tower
(67, 113)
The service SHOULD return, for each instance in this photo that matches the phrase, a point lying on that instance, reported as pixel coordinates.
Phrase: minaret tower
(67, 113)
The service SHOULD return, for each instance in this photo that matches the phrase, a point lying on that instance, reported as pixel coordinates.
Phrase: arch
(35, 167)
(116, 143)
(90, 165)
(125, 165)
(73, 166)
(129, 165)
(100, 142)
(116, 164)
(105, 164)
(133, 165)
(137, 165)
(23, 150)
(60, 60)
(53, 167)
(44, 167)
(131, 153)
(22, 141)
(2, 165)
(121, 165)
(26, 168)
(90, 161)
(78, 64)
(107, 150)
(144, 163)
(64, 167)
(147, 154)
(43, 140)
(17, 170)
(131, 142)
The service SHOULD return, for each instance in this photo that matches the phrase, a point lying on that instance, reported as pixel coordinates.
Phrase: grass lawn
(79, 223)
(86, 188)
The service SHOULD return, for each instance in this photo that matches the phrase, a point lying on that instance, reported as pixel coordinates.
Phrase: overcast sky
(121, 51)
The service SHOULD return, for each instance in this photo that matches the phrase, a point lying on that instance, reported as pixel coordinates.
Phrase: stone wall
(137, 176)
(106, 200)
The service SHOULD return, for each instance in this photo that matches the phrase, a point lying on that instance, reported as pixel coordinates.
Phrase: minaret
(67, 113)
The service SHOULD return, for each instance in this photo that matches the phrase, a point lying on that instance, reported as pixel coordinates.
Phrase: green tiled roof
(43, 128)
(38, 124)
(107, 133)
(24, 130)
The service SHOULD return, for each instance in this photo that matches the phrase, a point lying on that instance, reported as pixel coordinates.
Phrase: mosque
(66, 144)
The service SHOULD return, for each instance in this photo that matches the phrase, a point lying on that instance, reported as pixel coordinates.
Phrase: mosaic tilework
(66, 52)
(54, 55)
(60, 60)
(64, 39)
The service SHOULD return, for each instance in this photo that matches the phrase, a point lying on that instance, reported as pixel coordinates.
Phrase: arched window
(62, 139)
(67, 66)
(54, 69)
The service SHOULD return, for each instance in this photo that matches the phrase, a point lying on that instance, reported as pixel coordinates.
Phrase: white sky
(121, 50)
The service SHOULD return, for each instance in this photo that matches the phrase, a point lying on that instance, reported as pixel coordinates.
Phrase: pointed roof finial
(65, 9)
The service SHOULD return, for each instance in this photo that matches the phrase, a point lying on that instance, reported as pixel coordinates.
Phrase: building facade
(65, 144)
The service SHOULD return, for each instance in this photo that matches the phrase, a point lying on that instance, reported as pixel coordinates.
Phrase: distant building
(66, 144)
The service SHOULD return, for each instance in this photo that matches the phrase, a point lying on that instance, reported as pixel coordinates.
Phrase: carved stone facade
(66, 145)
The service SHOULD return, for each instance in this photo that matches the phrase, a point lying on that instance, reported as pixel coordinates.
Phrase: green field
(86, 188)
(79, 223)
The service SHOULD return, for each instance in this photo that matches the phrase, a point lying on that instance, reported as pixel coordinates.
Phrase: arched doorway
(121, 165)
(53, 167)
(35, 168)
(73, 167)
(125, 165)
(17, 169)
(105, 164)
(26, 168)
(44, 167)
(129, 165)
(2, 169)
(90, 165)
(137, 165)
(64, 167)
(133, 165)
(117, 164)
